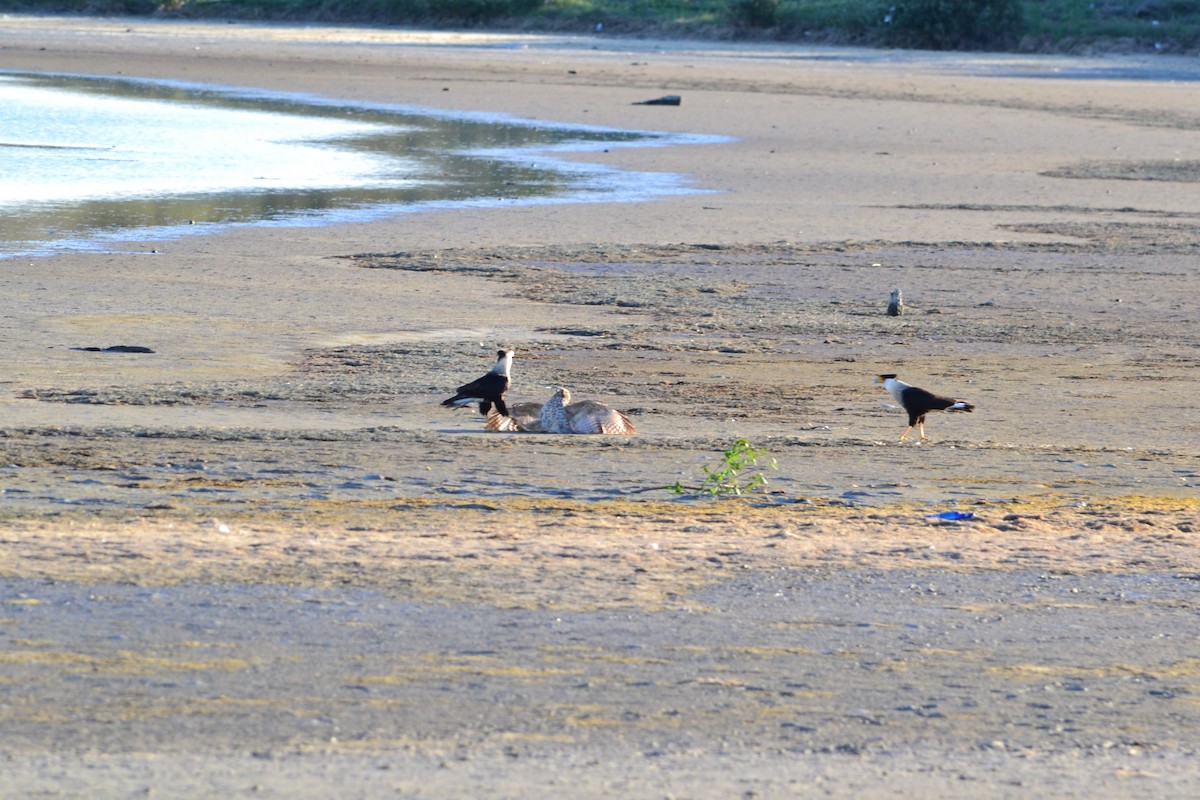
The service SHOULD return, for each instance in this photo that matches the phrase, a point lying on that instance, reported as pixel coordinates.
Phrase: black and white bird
(560, 415)
(918, 403)
(488, 390)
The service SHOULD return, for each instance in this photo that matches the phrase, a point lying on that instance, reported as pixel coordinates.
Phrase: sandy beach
(263, 560)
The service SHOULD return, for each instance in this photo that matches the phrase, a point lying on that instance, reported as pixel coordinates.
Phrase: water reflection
(87, 161)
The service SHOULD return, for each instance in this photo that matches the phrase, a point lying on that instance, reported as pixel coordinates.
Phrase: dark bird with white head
(488, 390)
(919, 402)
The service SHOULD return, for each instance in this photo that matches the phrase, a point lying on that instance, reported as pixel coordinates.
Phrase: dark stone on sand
(116, 348)
(665, 100)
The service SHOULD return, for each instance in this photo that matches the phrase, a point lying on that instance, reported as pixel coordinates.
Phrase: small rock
(665, 100)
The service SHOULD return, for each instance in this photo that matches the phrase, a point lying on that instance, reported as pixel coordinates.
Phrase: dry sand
(264, 560)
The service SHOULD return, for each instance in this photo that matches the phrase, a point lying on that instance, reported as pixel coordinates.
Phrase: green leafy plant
(726, 478)
(953, 24)
(754, 13)
(1157, 26)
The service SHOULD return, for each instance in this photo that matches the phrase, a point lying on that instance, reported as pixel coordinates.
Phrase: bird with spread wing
(560, 415)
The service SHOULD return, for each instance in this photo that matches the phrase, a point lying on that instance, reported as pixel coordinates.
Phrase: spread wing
(584, 416)
(590, 416)
(521, 417)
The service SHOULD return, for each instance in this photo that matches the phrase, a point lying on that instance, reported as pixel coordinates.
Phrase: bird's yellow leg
(904, 435)
(921, 429)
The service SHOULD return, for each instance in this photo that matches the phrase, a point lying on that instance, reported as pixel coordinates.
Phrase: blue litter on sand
(953, 516)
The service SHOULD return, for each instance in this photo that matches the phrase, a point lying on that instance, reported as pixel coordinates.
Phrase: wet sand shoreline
(269, 550)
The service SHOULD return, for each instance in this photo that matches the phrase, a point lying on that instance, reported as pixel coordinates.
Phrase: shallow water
(87, 162)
